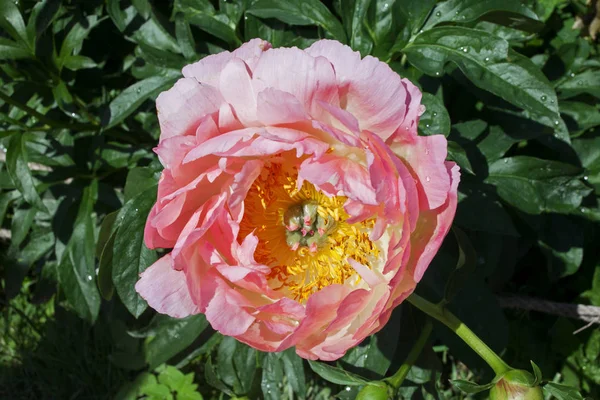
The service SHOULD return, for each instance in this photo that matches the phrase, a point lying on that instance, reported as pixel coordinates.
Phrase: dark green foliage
(511, 85)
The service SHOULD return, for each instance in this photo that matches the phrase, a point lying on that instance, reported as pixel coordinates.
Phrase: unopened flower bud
(373, 392)
(516, 385)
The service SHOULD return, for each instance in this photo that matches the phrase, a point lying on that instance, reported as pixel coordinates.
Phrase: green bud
(376, 391)
(516, 385)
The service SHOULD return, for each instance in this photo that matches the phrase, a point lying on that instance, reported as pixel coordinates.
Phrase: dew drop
(434, 114)
(487, 59)
(572, 75)
(89, 277)
(348, 388)
(386, 6)
(438, 14)
(73, 115)
(582, 210)
(556, 122)
(544, 98)
(456, 13)
(506, 161)
(427, 179)
(136, 210)
(139, 90)
(427, 126)
(437, 73)
(585, 178)
(580, 83)
(464, 17)
(465, 50)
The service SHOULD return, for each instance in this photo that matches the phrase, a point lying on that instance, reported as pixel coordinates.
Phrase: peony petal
(313, 78)
(226, 313)
(165, 289)
(338, 176)
(434, 226)
(372, 92)
(181, 108)
(425, 155)
(277, 107)
(208, 70)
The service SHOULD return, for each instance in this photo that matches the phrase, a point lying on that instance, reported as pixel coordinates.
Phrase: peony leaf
(561, 392)
(336, 374)
(131, 98)
(435, 120)
(489, 63)
(130, 254)
(308, 12)
(171, 336)
(470, 387)
(76, 271)
(19, 172)
(533, 185)
(516, 13)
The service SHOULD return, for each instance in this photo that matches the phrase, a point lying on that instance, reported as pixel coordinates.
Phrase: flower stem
(396, 380)
(458, 327)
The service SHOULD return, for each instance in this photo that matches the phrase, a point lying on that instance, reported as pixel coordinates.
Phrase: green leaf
(10, 50)
(18, 170)
(138, 180)
(465, 266)
(479, 209)
(464, 11)
(171, 377)
(487, 61)
(354, 13)
(458, 154)
(470, 387)
(185, 38)
(561, 392)
(585, 82)
(537, 373)
(172, 337)
(584, 115)
(336, 374)
(21, 224)
(132, 98)
(75, 63)
(12, 22)
(412, 13)
(308, 12)
(154, 35)
(435, 120)
(76, 271)
(213, 380)
(293, 366)
(130, 254)
(272, 376)
(73, 42)
(202, 14)
(104, 253)
(534, 185)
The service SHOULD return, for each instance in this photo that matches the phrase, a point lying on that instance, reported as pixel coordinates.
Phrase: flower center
(303, 234)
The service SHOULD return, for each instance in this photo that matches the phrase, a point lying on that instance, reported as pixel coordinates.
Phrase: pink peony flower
(300, 204)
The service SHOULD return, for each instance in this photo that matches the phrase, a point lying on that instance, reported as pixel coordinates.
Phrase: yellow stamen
(300, 271)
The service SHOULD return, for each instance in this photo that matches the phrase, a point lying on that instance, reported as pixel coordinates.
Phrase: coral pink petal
(339, 176)
(181, 108)
(433, 226)
(226, 313)
(237, 90)
(208, 70)
(374, 93)
(313, 79)
(165, 289)
(425, 155)
(276, 107)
